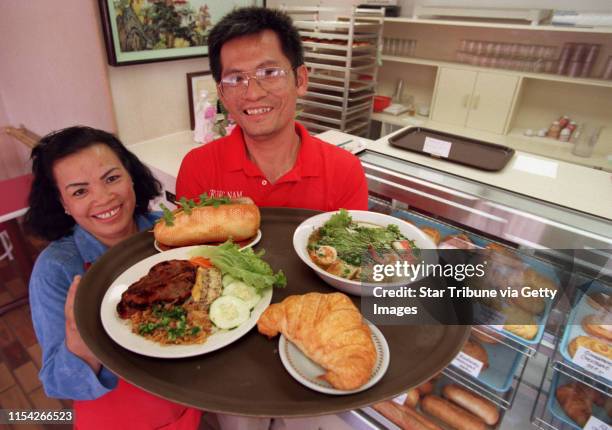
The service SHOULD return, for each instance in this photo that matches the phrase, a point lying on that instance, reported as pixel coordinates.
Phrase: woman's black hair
(46, 217)
(252, 20)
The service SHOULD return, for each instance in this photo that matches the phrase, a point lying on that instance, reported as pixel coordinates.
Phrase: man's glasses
(269, 78)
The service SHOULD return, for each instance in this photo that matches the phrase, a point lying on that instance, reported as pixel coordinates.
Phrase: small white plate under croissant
(309, 373)
(325, 343)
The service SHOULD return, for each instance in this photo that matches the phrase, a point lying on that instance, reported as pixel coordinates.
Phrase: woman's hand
(74, 342)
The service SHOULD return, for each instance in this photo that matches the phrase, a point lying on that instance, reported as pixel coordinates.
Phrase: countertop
(600, 159)
(557, 182)
(165, 153)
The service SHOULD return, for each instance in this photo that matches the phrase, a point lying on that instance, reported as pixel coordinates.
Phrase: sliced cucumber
(227, 279)
(228, 312)
(244, 292)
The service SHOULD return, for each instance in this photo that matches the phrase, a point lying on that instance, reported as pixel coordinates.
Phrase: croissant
(329, 330)
(576, 402)
(597, 346)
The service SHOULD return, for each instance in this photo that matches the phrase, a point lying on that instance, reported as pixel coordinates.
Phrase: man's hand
(74, 342)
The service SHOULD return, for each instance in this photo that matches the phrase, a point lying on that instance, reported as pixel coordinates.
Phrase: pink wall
(53, 71)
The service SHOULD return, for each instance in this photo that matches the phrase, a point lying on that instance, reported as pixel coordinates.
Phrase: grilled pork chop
(168, 282)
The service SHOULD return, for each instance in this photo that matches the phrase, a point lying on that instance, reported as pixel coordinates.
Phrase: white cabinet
(491, 101)
(453, 94)
(479, 100)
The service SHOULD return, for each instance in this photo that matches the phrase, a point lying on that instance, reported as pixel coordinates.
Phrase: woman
(89, 193)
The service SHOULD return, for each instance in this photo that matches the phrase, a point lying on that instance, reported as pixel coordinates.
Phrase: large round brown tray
(247, 377)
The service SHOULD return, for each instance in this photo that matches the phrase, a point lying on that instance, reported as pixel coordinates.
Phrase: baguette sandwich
(210, 220)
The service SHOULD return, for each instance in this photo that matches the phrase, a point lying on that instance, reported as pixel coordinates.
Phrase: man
(257, 61)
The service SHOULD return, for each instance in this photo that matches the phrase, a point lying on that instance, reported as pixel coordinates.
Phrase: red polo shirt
(324, 176)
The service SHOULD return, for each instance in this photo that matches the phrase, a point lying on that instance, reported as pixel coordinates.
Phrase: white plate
(358, 288)
(252, 242)
(121, 332)
(307, 372)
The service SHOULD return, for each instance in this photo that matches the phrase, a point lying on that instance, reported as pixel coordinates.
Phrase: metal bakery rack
(341, 49)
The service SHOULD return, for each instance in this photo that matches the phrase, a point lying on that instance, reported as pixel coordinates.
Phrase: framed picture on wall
(145, 31)
(196, 83)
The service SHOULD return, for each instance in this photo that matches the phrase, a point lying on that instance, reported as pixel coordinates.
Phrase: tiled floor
(20, 354)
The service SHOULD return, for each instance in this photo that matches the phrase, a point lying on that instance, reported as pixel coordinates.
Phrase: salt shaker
(554, 130)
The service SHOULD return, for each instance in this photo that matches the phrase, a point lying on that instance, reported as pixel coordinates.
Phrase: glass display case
(523, 375)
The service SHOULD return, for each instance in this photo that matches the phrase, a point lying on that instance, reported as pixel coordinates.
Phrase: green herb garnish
(187, 205)
(168, 215)
(173, 321)
(352, 240)
(213, 201)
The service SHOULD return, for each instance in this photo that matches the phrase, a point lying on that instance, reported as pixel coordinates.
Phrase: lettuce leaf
(245, 265)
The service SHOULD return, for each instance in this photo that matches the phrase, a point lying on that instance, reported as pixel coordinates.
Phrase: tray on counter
(462, 150)
(231, 380)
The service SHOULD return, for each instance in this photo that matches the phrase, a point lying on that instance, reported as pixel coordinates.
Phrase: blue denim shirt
(63, 374)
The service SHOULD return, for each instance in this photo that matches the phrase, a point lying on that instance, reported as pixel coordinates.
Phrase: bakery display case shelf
(542, 76)
(502, 399)
(437, 404)
(552, 412)
(381, 422)
(521, 346)
(504, 101)
(506, 356)
(500, 26)
(583, 376)
(341, 56)
(507, 341)
(487, 214)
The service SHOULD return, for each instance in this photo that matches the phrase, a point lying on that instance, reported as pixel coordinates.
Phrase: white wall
(150, 100)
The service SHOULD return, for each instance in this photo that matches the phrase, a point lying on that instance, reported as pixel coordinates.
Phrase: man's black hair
(46, 217)
(252, 20)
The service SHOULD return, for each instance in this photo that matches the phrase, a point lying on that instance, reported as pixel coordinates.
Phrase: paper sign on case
(468, 364)
(596, 424)
(595, 363)
(437, 147)
(400, 399)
